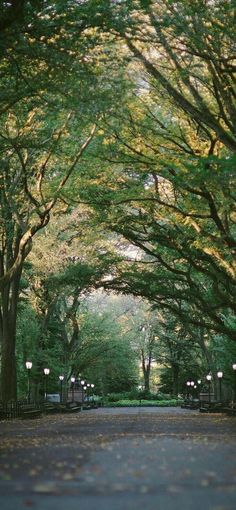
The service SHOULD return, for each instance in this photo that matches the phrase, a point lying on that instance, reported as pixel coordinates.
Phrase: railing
(22, 408)
(14, 409)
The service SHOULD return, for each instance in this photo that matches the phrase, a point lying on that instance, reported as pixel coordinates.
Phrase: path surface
(119, 459)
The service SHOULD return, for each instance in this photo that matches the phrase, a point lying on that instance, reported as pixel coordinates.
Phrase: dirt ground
(119, 459)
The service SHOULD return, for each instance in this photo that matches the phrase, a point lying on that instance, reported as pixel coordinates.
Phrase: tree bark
(146, 368)
(8, 314)
(175, 379)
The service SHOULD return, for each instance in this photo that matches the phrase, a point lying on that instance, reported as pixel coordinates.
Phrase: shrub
(96, 398)
(148, 403)
(137, 395)
(114, 397)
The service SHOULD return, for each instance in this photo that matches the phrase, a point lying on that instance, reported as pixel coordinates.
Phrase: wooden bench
(49, 408)
(73, 407)
(86, 406)
(60, 408)
(30, 411)
(230, 410)
(192, 404)
(212, 407)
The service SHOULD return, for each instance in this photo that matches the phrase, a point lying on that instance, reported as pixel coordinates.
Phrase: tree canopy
(117, 125)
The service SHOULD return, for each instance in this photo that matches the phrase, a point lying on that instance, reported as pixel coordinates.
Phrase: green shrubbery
(148, 403)
(115, 397)
(133, 398)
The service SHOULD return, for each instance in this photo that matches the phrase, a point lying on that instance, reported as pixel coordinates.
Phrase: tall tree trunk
(8, 314)
(205, 350)
(146, 368)
(147, 379)
(209, 359)
(175, 379)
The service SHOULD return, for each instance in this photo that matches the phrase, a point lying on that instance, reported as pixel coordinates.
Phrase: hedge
(146, 403)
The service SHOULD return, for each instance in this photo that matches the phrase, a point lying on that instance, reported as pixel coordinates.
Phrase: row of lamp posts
(192, 384)
(85, 386)
(46, 372)
(209, 378)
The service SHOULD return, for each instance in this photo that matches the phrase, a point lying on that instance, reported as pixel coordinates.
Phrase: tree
(187, 48)
(46, 129)
(159, 173)
(179, 351)
(139, 327)
(105, 354)
(167, 187)
(57, 281)
(28, 332)
(143, 327)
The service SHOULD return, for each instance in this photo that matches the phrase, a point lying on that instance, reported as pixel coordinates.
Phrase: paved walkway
(119, 459)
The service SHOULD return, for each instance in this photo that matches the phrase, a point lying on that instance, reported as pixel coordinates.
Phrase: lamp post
(208, 378)
(46, 373)
(28, 365)
(188, 388)
(61, 378)
(234, 369)
(199, 382)
(88, 393)
(82, 382)
(192, 383)
(73, 387)
(92, 387)
(220, 375)
(140, 396)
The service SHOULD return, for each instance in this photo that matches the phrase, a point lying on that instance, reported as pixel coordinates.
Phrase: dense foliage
(117, 139)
